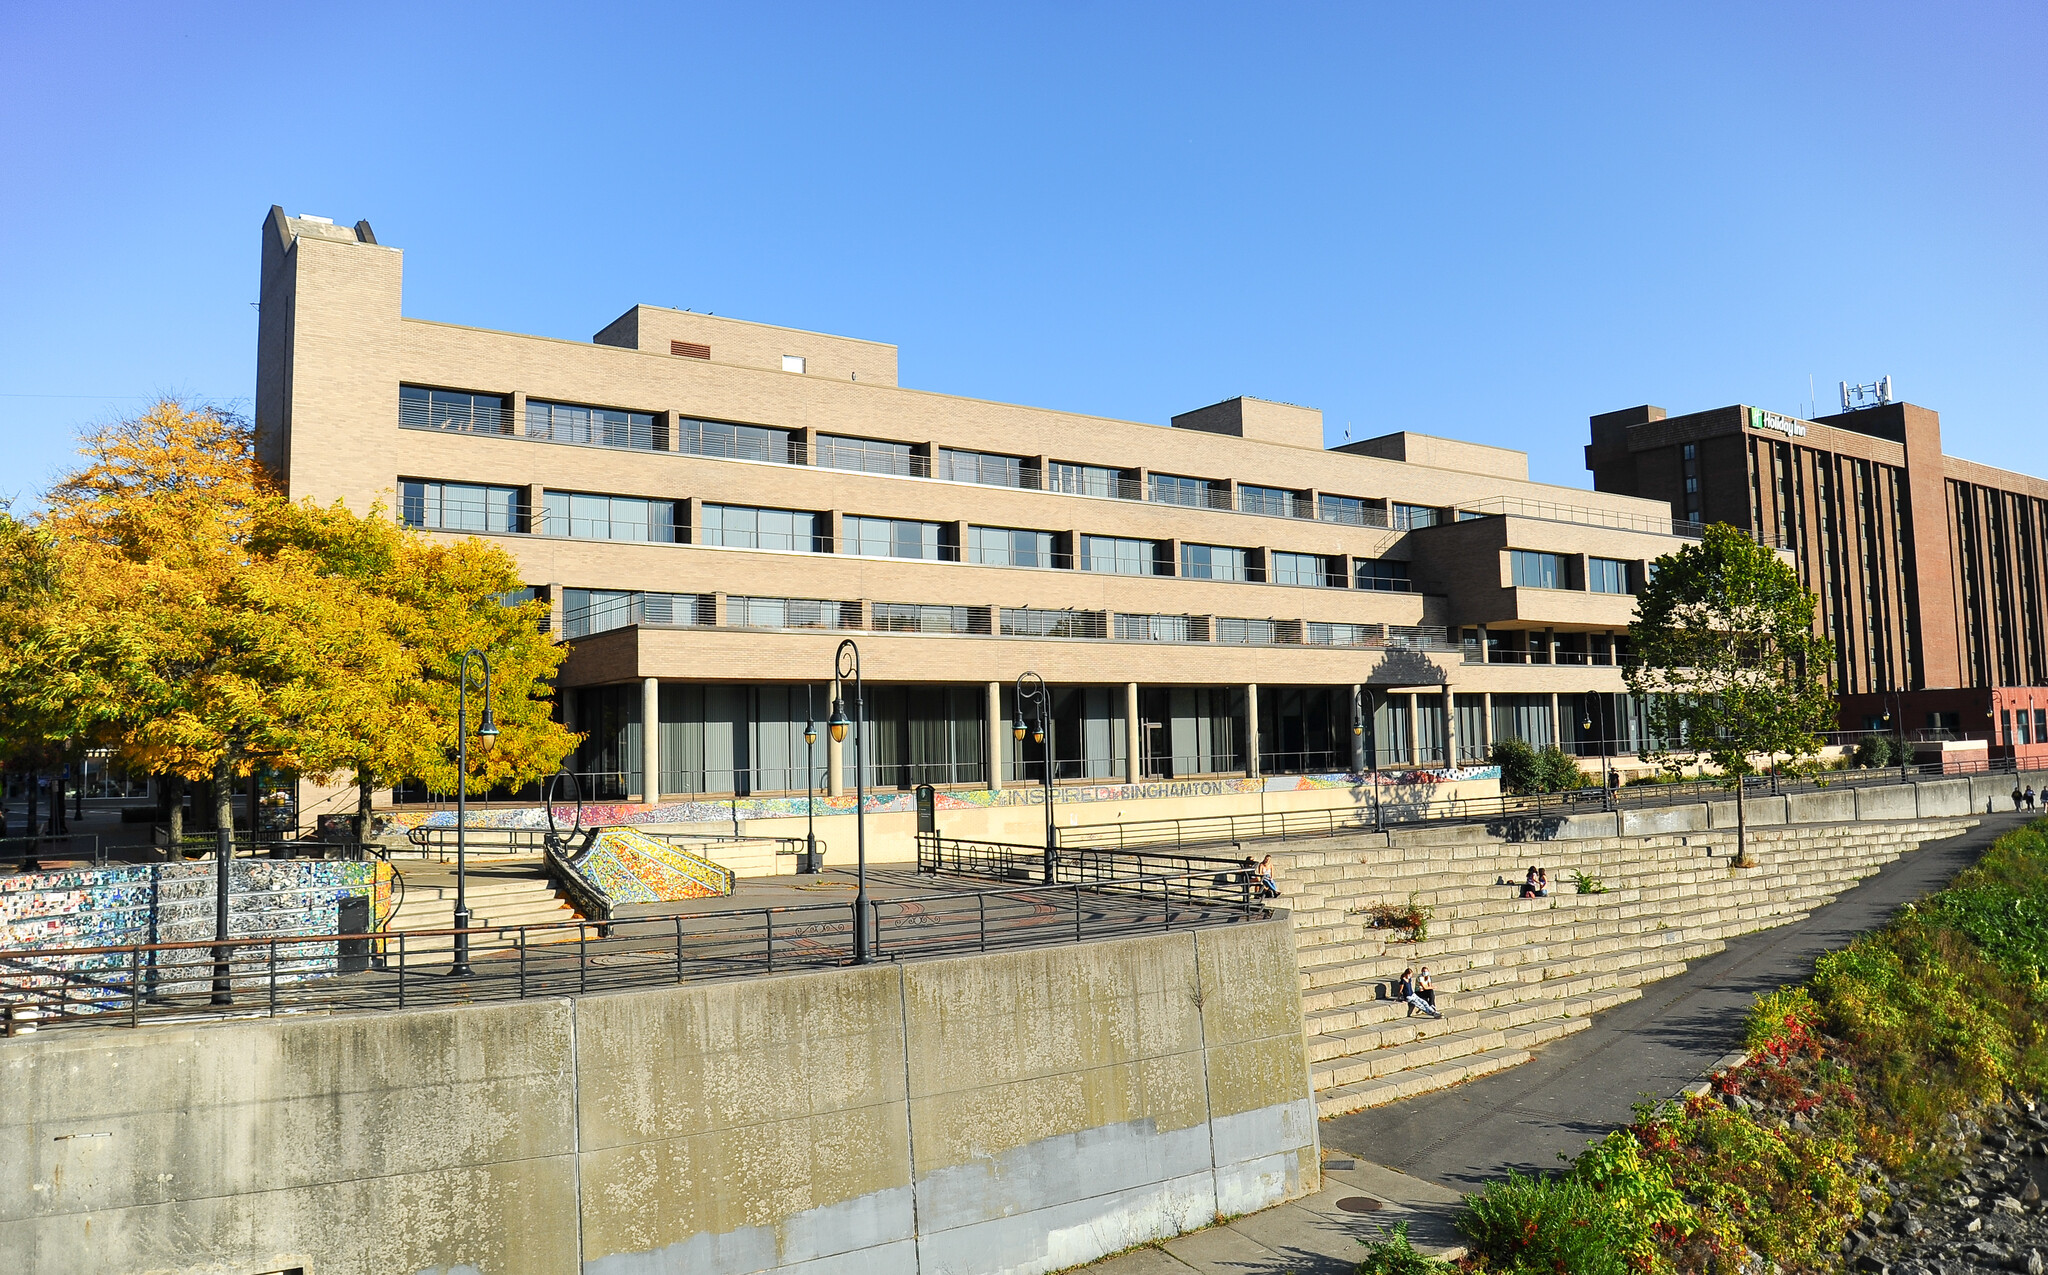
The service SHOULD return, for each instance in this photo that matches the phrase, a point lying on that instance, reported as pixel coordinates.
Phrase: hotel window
(1009, 547)
(603, 426)
(740, 442)
(1409, 517)
(1086, 480)
(1689, 465)
(583, 516)
(980, 467)
(1196, 493)
(1213, 562)
(1118, 556)
(1606, 575)
(459, 410)
(1382, 576)
(1537, 570)
(1305, 569)
(870, 456)
(744, 527)
(461, 506)
(894, 538)
(1274, 502)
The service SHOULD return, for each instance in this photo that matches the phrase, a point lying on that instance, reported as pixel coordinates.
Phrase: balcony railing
(474, 419)
(657, 609)
(679, 610)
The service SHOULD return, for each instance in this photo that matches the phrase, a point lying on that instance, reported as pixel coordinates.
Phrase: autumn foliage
(173, 605)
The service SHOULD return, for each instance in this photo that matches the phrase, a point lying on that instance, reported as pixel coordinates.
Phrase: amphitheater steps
(1514, 974)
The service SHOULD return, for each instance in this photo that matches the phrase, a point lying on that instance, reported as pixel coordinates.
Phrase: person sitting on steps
(1542, 883)
(1406, 990)
(1425, 987)
(1529, 885)
(1268, 887)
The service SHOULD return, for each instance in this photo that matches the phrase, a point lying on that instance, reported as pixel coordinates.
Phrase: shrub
(1558, 771)
(1517, 762)
(1586, 884)
(1413, 920)
(1546, 1224)
(1394, 1255)
(1874, 751)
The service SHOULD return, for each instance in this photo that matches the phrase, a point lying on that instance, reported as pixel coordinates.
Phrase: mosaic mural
(630, 867)
(174, 902)
(743, 808)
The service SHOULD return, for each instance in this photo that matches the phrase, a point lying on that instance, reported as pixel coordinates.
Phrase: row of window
(423, 407)
(589, 516)
(1534, 570)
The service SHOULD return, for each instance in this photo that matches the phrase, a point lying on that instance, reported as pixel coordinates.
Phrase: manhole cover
(1360, 1204)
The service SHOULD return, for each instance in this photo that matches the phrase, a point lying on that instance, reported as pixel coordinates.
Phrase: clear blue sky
(1480, 221)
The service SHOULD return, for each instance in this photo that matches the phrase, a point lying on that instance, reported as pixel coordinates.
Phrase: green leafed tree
(1730, 665)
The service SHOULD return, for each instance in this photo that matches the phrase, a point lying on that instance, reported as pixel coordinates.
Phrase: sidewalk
(1433, 1148)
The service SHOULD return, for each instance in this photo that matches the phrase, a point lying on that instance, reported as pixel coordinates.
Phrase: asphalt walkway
(1414, 1159)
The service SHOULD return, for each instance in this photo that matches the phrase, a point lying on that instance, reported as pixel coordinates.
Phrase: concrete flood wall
(1012, 1112)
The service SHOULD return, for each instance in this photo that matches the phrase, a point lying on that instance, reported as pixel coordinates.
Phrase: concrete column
(536, 508)
(1556, 722)
(1486, 719)
(1414, 730)
(1251, 729)
(996, 731)
(835, 778)
(1450, 726)
(808, 440)
(650, 740)
(1361, 712)
(1550, 646)
(1134, 736)
(1484, 657)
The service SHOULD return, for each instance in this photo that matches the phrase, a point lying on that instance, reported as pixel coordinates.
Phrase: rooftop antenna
(1857, 398)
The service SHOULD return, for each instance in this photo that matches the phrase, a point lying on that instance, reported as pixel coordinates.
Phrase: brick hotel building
(1928, 568)
(711, 505)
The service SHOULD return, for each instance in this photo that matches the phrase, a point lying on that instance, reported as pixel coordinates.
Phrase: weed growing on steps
(1585, 883)
(1412, 920)
(1854, 1083)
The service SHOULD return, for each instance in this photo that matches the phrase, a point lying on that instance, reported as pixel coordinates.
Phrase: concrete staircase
(1512, 974)
(504, 891)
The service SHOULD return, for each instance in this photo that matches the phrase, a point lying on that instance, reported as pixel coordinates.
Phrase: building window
(583, 516)
(459, 410)
(894, 538)
(461, 506)
(588, 611)
(1321, 634)
(603, 426)
(1689, 470)
(740, 442)
(1243, 632)
(1469, 515)
(1382, 576)
(1118, 556)
(744, 527)
(870, 456)
(1196, 493)
(1039, 622)
(1156, 628)
(1274, 502)
(1347, 509)
(1087, 480)
(793, 363)
(1537, 570)
(1409, 517)
(1305, 569)
(1009, 547)
(915, 617)
(1212, 562)
(987, 468)
(1606, 575)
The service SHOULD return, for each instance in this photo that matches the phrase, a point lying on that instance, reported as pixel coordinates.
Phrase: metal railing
(478, 418)
(439, 841)
(128, 985)
(664, 609)
(1399, 810)
(62, 845)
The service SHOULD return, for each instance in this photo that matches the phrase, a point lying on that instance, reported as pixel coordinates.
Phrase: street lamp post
(1891, 697)
(810, 863)
(487, 730)
(846, 664)
(1606, 777)
(1041, 730)
(1372, 771)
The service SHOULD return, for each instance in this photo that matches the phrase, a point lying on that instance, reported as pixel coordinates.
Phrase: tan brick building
(712, 505)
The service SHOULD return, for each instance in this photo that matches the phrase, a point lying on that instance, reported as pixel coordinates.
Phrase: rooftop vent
(689, 350)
